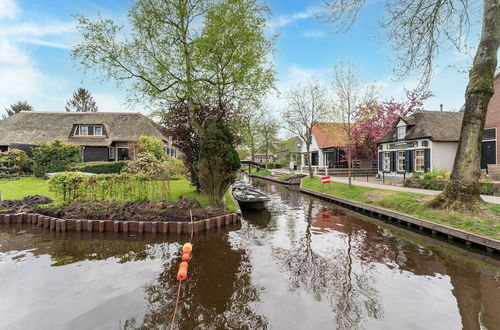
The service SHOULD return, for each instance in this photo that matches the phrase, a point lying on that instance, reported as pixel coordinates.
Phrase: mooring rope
(180, 281)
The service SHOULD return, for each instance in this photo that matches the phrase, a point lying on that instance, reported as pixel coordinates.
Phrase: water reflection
(301, 264)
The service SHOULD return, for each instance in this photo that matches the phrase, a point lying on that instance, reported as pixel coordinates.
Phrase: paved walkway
(489, 199)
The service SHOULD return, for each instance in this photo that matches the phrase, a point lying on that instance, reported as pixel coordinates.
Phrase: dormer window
(401, 132)
(89, 130)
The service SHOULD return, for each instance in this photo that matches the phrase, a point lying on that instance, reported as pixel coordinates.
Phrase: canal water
(300, 264)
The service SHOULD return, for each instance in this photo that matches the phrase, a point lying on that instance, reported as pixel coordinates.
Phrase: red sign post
(325, 179)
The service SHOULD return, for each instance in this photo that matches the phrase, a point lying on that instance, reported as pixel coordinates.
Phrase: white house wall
(443, 155)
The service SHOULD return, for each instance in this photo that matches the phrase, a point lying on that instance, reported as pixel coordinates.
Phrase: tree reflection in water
(217, 294)
(346, 284)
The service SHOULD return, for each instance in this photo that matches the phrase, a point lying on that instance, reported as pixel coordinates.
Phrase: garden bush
(100, 167)
(54, 157)
(76, 186)
(13, 163)
(152, 145)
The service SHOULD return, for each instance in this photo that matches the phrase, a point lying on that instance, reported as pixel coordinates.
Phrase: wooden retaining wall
(80, 225)
(468, 239)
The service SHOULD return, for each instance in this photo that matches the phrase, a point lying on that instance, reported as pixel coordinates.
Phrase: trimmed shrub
(13, 163)
(54, 157)
(100, 167)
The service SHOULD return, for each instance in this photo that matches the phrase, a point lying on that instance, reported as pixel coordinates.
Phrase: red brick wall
(493, 115)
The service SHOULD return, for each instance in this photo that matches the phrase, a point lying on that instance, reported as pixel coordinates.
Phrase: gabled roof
(329, 135)
(32, 127)
(442, 126)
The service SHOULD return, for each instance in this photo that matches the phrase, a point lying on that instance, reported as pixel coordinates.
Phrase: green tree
(184, 53)
(219, 161)
(249, 128)
(418, 29)
(81, 101)
(16, 108)
(268, 131)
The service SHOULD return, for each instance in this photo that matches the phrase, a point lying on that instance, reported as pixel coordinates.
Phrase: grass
(18, 189)
(285, 176)
(260, 172)
(486, 224)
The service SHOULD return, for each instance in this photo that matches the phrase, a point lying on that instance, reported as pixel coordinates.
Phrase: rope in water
(180, 281)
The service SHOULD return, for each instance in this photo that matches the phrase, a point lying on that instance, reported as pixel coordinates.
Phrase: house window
(122, 154)
(419, 161)
(89, 130)
(171, 151)
(401, 132)
(401, 160)
(489, 134)
(387, 161)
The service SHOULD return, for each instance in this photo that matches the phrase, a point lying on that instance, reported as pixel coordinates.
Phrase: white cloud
(11, 55)
(8, 9)
(284, 20)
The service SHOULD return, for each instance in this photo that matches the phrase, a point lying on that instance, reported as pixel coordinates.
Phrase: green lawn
(260, 172)
(17, 189)
(487, 224)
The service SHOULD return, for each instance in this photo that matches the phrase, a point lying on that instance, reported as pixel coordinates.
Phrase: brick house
(102, 136)
(491, 149)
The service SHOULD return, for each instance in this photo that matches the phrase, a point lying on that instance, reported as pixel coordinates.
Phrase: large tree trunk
(463, 190)
(308, 148)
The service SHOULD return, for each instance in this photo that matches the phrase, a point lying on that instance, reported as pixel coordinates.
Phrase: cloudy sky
(36, 38)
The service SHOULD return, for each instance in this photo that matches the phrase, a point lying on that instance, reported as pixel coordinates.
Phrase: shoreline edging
(491, 245)
(81, 225)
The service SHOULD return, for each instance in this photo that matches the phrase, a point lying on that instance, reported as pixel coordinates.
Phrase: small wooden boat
(242, 184)
(250, 198)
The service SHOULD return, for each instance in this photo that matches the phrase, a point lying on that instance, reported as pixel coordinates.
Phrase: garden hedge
(100, 167)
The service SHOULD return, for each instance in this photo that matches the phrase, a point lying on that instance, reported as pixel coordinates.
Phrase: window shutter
(427, 160)
(393, 161)
(409, 156)
(380, 161)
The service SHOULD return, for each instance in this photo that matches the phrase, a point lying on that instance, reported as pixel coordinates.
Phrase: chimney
(441, 107)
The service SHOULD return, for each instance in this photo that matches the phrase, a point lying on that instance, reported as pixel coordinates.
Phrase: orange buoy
(183, 265)
(187, 248)
(186, 256)
(182, 274)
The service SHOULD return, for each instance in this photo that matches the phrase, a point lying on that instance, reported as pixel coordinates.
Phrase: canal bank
(468, 239)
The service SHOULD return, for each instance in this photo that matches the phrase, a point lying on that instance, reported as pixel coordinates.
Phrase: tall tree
(202, 54)
(249, 129)
(16, 108)
(268, 132)
(81, 101)
(306, 105)
(418, 29)
(350, 95)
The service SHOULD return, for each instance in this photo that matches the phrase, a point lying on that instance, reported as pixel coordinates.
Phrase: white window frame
(386, 161)
(79, 128)
(401, 132)
(122, 148)
(415, 167)
(398, 158)
(112, 152)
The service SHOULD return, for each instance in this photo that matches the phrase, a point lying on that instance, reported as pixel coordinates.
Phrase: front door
(314, 158)
(488, 154)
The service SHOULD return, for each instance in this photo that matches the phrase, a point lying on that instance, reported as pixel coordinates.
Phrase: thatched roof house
(420, 142)
(102, 135)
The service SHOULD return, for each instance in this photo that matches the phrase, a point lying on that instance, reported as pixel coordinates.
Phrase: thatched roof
(438, 126)
(32, 127)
